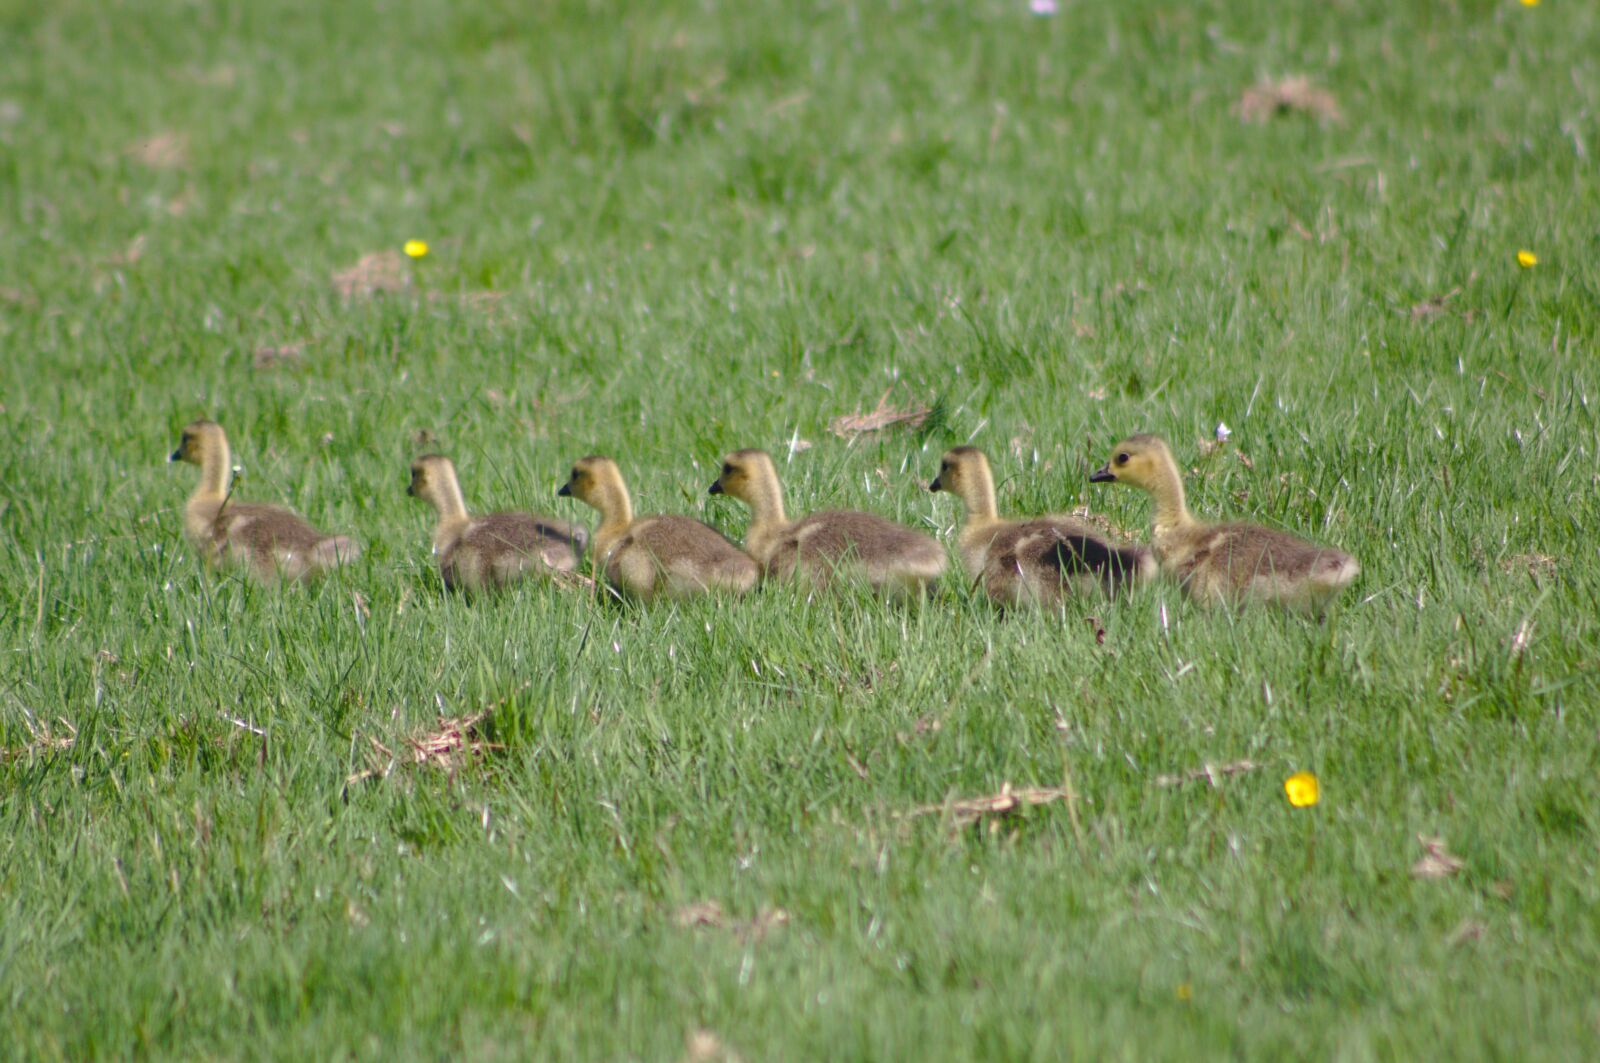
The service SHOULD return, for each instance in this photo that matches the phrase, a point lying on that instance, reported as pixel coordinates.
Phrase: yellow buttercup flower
(1302, 789)
(1185, 992)
(1527, 259)
(1530, 3)
(416, 248)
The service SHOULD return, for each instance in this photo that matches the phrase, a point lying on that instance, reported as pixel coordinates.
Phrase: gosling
(888, 556)
(1036, 560)
(1225, 562)
(496, 549)
(657, 556)
(270, 542)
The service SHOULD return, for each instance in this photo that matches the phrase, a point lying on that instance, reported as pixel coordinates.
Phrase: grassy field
(664, 231)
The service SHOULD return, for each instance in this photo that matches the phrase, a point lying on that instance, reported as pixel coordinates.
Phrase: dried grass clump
(884, 416)
(42, 739)
(1268, 99)
(964, 812)
(1210, 773)
(164, 151)
(280, 357)
(451, 742)
(1437, 861)
(378, 273)
(709, 915)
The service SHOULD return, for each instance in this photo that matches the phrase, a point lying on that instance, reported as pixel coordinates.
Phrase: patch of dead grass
(1268, 99)
(1533, 564)
(1437, 861)
(1210, 773)
(709, 915)
(42, 739)
(376, 273)
(486, 301)
(703, 1046)
(966, 811)
(1435, 306)
(876, 420)
(167, 150)
(285, 356)
(1439, 305)
(451, 742)
(390, 272)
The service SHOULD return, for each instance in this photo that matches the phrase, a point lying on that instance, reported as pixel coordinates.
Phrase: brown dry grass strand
(1437, 861)
(451, 742)
(42, 739)
(964, 812)
(876, 420)
(1211, 773)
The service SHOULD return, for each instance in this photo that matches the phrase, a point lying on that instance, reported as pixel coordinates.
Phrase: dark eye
(1122, 459)
(727, 470)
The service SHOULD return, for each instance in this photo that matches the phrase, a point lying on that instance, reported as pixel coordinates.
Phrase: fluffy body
(498, 549)
(270, 542)
(493, 550)
(674, 557)
(1226, 562)
(851, 545)
(1234, 562)
(657, 556)
(1037, 559)
(827, 545)
(1047, 558)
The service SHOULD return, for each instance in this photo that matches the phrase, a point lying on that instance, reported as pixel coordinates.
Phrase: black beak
(565, 490)
(176, 455)
(936, 485)
(1103, 475)
(715, 489)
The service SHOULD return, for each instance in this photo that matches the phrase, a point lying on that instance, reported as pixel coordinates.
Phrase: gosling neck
(205, 504)
(615, 506)
(765, 499)
(451, 508)
(214, 469)
(1167, 490)
(977, 496)
(616, 514)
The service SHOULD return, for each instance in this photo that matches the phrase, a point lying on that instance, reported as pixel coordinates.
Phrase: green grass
(719, 225)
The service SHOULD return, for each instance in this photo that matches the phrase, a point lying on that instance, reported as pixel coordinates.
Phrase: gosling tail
(335, 550)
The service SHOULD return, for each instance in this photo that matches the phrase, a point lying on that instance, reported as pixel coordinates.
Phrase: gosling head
(958, 469)
(592, 479)
(430, 474)
(200, 439)
(1141, 461)
(746, 475)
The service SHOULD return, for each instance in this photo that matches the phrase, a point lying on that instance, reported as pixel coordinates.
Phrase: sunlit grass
(669, 231)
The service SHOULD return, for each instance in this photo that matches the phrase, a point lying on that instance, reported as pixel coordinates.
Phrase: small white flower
(1223, 432)
(1043, 8)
